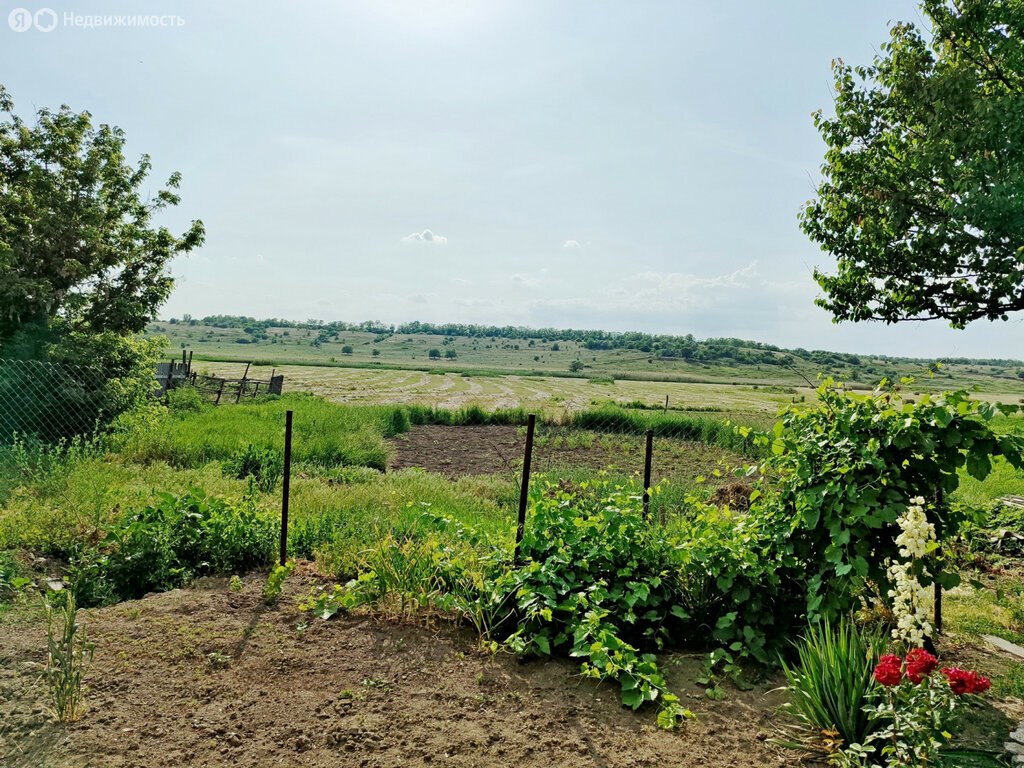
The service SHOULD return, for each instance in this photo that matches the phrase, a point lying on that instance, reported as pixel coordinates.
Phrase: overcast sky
(626, 165)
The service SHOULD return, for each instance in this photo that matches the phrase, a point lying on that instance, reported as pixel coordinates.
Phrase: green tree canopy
(77, 239)
(922, 196)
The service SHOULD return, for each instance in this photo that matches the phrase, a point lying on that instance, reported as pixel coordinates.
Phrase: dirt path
(208, 677)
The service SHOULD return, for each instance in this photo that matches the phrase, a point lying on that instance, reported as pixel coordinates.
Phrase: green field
(548, 394)
(538, 356)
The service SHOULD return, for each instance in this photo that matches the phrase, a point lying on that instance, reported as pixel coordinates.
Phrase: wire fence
(49, 401)
(465, 426)
(460, 428)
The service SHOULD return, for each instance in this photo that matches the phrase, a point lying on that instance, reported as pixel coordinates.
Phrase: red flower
(963, 681)
(889, 670)
(920, 664)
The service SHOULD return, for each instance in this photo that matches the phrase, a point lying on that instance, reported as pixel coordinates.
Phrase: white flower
(909, 598)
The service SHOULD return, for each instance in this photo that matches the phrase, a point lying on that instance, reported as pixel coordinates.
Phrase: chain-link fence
(49, 401)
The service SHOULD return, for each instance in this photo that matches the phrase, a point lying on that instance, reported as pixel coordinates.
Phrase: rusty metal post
(524, 488)
(648, 456)
(286, 485)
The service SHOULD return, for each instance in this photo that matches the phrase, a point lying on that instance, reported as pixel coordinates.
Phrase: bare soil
(211, 677)
(490, 449)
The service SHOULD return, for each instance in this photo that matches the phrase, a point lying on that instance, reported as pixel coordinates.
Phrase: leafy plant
(328, 603)
(68, 651)
(275, 582)
(264, 464)
(830, 683)
(165, 545)
(596, 585)
(840, 474)
(11, 580)
(735, 584)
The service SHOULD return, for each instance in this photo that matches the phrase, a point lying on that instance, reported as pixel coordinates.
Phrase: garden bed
(207, 676)
(495, 449)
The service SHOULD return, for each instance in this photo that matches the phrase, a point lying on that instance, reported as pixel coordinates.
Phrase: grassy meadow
(500, 356)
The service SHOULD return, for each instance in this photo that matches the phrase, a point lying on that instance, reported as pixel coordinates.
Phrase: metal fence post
(937, 587)
(524, 488)
(286, 485)
(648, 455)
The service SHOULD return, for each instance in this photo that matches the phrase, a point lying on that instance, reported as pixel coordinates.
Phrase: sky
(622, 165)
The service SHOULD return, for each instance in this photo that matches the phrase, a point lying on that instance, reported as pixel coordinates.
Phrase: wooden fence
(218, 389)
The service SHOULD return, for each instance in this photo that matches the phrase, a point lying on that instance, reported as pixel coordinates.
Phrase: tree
(434, 354)
(922, 196)
(576, 366)
(78, 243)
(450, 354)
(347, 349)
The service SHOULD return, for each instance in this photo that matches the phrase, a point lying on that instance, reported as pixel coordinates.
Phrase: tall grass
(672, 424)
(326, 434)
(470, 415)
(337, 525)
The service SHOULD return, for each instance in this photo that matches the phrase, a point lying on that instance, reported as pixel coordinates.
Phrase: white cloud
(528, 280)
(671, 293)
(426, 236)
(572, 244)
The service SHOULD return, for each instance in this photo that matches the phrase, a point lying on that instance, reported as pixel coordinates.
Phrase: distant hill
(561, 351)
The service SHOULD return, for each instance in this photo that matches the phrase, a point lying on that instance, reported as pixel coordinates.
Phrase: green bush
(264, 465)
(840, 474)
(735, 584)
(169, 543)
(185, 400)
(596, 585)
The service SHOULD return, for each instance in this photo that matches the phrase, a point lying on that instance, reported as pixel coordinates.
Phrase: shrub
(184, 400)
(167, 544)
(735, 585)
(839, 475)
(596, 585)
(264, 465)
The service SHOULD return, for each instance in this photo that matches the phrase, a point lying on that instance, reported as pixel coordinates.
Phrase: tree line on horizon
(684, 347)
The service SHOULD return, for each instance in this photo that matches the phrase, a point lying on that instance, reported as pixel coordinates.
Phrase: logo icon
(45, 19)
(20, 19)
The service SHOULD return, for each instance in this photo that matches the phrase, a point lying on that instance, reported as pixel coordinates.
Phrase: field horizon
(590, 355)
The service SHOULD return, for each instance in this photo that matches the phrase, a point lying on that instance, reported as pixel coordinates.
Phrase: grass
(995, 609)
(672, 424)
(502, 356)
(324, 433)
(1004, 480)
